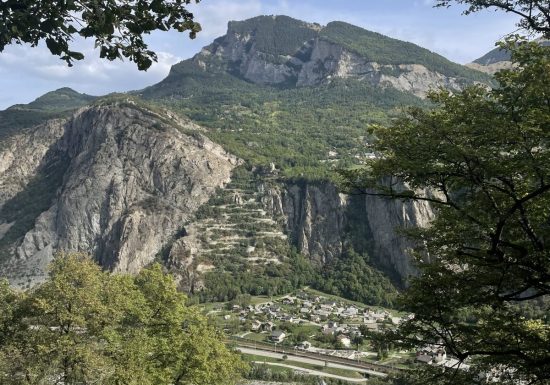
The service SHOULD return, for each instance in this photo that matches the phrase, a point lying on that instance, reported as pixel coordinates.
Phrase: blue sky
(26, 73)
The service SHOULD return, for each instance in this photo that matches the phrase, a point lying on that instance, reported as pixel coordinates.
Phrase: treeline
(264, 372)
(271, 280)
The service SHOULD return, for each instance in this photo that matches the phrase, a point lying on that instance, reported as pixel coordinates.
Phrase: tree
(482, 158)
(118, 26)
(357, 341)
(535, 14)
(85, 326)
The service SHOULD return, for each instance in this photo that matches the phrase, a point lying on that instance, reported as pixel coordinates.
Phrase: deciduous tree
(534, 14)
(85, 326)
(482, 158)
(118, 26)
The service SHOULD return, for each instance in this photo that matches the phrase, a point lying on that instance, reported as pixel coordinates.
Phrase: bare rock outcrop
(321, 222)
(317, 61)
(130, 180)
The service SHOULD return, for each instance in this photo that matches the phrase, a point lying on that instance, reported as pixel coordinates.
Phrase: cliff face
(312, 62)
(126, 181)
(321, 222)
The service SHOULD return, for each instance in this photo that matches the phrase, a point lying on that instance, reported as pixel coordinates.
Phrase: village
(310, 321)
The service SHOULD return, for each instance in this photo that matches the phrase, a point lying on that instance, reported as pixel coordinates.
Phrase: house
(256, 325)
(372, 326)
(322, 314)
(440, 355)
(431, 354)
(287, 318)
(277, 336)
(424, 358)
(304, 310)
(396, 320)
(351, 311)
(315, 318)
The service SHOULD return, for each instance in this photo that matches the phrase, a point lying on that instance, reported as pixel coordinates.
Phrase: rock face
(321, 222)
(129, 180)
(313, 62)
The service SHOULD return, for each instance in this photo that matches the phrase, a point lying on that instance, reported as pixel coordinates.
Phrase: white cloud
(37, 71)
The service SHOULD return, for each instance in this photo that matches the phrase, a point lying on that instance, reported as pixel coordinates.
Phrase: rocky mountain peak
(285, 52)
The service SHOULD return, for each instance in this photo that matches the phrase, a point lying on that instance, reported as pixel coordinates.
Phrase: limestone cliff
(127, 179)
(321, 222)
(314, 60)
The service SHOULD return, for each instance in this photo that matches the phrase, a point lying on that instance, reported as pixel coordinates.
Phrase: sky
(26, 73)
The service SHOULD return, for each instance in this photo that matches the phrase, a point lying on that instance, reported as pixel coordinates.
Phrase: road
(312, 361)
(315, 372)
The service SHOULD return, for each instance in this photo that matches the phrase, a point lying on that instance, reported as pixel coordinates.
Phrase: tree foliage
(84, 326)
(534, 14)
(118, 26)
(482, 157)
(352, 277)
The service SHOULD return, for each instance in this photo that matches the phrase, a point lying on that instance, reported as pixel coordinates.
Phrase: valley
(239, 211)
(227, 173)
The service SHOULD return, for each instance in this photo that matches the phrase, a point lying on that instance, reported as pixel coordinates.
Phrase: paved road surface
(315, 372)
(311, 361)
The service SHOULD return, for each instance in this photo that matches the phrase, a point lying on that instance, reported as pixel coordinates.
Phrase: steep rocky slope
(258, 216)
(126, 181)
(278, 50)
(322, 222)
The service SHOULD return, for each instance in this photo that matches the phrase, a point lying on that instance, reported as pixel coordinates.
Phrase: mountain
(50, 105)
(495, 60)
(279, 90)
(492, 62)
(114, 180)
(224, 170)
(279, 50)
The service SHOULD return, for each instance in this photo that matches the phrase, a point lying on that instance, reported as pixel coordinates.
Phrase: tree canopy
(118, 26)
(482, 157)
(534, 14)
(85, 326)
